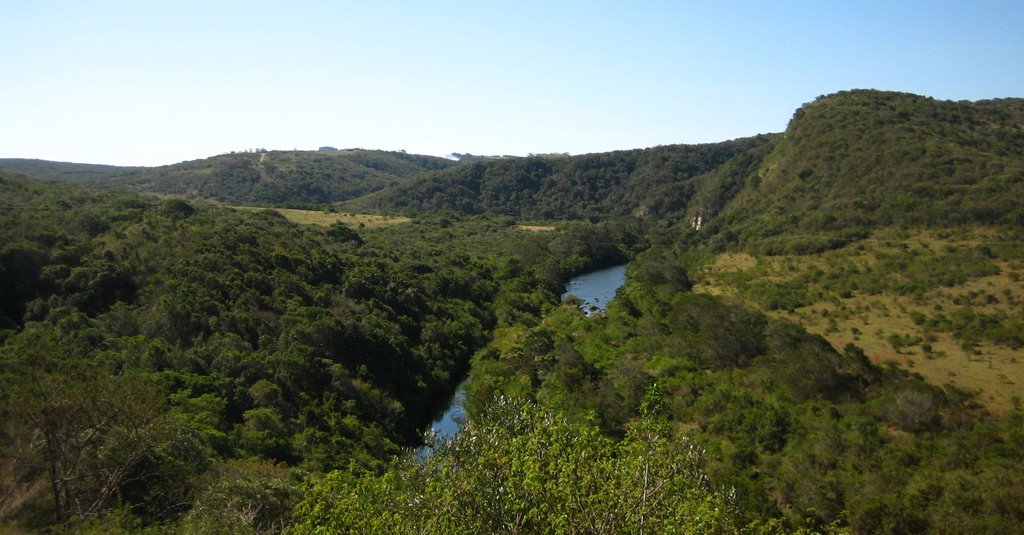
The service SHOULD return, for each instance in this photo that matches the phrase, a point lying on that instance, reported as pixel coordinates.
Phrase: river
(594, 289)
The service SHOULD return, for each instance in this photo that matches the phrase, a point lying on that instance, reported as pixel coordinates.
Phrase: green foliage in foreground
(144, 344)
(158, 357)
(518, 468)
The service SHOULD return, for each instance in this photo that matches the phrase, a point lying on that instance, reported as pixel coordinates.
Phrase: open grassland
(948, 305)
(326, 219)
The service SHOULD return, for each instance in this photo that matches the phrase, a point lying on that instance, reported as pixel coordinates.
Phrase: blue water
(596, 289)
(450, 421)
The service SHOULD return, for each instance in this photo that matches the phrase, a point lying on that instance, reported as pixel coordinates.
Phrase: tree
(244, 497)
(86, 428)
(343, 233)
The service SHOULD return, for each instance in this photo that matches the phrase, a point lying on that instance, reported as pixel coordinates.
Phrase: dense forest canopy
(158, 343)
(789, 354)
(659, 180)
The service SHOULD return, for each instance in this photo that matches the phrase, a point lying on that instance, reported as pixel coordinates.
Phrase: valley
(819, 331)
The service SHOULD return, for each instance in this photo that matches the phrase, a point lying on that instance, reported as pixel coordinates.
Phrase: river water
(450, 420)
(595, 289)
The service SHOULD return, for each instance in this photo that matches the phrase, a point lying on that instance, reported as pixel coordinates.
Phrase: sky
(155, 83)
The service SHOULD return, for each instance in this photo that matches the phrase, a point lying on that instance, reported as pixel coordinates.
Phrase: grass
(883, 322)
(326, 219)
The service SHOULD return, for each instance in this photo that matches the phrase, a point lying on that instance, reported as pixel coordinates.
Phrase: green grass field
(326, 219)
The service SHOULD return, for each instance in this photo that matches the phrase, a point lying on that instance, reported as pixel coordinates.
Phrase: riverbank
(595, 290)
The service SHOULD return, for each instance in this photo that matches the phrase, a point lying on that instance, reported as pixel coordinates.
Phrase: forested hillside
(858, 160)
(148, 341)
(296, 178)
(848, 162)
(79, 173)
(656, 181)
(180, 362)
(790, 426)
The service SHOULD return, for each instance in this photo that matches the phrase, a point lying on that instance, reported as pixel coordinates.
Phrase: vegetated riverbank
(595, 291)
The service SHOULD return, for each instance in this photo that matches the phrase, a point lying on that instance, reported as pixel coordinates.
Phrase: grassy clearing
(536, 228)
(915, 319)
(326, 219)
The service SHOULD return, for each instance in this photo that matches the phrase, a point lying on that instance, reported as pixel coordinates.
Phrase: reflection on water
(596, 288)
(450, 421)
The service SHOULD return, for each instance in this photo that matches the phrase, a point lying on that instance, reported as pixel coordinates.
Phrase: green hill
(847, 162)
(79, 173)
(264, 178)
(863, 159)
(657, 181)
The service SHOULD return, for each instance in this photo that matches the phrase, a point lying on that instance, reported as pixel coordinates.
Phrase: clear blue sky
(141, 83)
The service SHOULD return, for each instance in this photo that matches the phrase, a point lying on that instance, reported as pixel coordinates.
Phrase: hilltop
(847, 162)
(858, 160)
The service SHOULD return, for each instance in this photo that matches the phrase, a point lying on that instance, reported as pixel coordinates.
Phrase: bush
(519, 468)
(244, 497)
